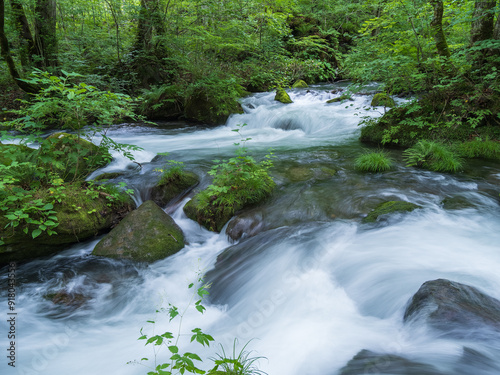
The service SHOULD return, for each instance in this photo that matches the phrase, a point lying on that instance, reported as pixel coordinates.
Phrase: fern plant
(433, 156)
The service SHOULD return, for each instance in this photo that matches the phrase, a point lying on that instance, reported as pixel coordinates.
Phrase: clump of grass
(486, 149)
(433, 156)
(237, 363)
(379, 161)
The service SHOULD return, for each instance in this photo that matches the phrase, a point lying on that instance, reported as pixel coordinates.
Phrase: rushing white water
(310, 292)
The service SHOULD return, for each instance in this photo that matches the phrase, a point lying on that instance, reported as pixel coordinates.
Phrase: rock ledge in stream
(458, 310)
(389, 207)
(146, 234)
(367, 362)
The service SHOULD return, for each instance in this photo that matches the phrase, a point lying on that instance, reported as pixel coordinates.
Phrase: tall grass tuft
(486, 149)
(379, 161)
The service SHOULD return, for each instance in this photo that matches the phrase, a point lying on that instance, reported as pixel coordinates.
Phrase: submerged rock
(300, 84)
(246, 225)
(146, 234)
(382, 99)
(168, 189)
(389, 207)
(368, 362)
(458, 310)
(340, 98)
(282, 96)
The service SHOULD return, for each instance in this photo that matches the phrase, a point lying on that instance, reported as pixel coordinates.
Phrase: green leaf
(173, 349)
(36, 233)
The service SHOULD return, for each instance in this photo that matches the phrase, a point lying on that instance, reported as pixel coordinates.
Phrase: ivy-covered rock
(74, 156)
(146, 234)
(388, 208)
(174, 186)
(282, 96)
(300, 84)
(81, 214)
(382, 100)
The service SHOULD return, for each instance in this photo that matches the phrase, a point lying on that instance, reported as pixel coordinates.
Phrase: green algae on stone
(340, 98)
(282, 96)
(146, 234)
(300, 84)
(389, 207)
(382, 100)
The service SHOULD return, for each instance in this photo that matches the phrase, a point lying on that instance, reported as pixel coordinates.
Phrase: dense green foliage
(434, 156)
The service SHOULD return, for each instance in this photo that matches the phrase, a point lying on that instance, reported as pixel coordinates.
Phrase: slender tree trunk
(45, 33)
(5, 52)
(25, 37)
(437, 29)
(496, 31)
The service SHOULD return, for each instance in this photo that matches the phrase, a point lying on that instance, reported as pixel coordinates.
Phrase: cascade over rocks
(146, 234)
(368, 362)
(456, 309)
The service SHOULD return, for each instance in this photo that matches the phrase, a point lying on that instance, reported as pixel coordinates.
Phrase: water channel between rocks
(311, 290)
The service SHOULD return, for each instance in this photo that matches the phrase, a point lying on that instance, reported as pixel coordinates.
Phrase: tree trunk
(145, 27)
(4, 48)
(483, 21)
(45, 33)
(437, 29)
(25, 37)
(496, 31)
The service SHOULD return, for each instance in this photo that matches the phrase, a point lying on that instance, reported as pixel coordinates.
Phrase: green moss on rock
(80, 216)
(282, 96)
(382, 99)
(146, 234)
(211, 219)
(300, 84)
(78, 156)
(340, 98)
(388, 208)
(177, 184)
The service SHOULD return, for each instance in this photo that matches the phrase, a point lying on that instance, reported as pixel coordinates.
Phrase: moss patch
(300, 84)
(168, 189)
(340, 98)
(388, 208)
(282, 96)
(382, 100)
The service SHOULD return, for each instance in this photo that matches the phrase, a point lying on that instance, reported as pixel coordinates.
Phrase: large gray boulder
(456, 309)
(146, 234)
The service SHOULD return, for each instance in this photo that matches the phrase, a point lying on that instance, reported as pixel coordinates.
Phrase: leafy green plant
(379, 161)
(172, 171)
(180, 363)
(434, 156)
(237, 181)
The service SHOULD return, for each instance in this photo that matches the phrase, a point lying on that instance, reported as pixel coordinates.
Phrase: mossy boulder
(174, 186)
(300, 84)
(146, 234)
(78, 157)
(211, 219)
(382, 100)
(455, 309)
(388, 208)
(81, 215)
(282, 96)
